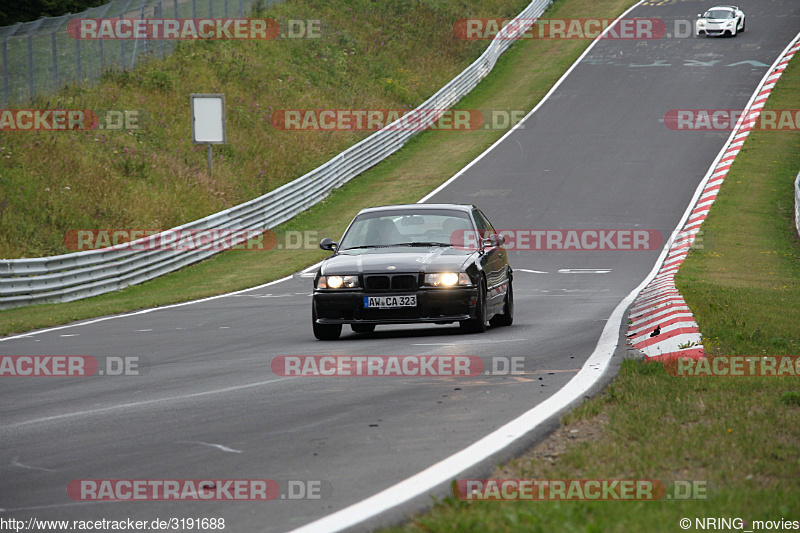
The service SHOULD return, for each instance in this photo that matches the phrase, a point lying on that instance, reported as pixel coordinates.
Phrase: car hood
(373, 261)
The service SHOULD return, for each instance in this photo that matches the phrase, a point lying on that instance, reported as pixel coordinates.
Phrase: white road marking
(143, 311)
(269, 295)
(123, 406)
(218, 446)
(15, 462)
(531, 271)
(311, 269)
(435, 344)
(477, 341)
(571, 290)
(55, 505)
(584, 270)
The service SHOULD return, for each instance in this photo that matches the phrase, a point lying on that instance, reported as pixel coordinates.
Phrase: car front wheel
(324, 332)
(477, 324)
(507, 318)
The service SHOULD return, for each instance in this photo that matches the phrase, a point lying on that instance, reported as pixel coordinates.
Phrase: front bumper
(433, 305)
(714, 30)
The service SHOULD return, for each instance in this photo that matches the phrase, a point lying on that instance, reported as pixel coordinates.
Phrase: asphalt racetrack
(207, 405)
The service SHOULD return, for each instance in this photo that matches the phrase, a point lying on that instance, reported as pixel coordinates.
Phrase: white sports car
(721, 20)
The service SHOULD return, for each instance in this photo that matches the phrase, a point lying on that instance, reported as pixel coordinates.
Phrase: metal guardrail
(797, 203)
(40, 57)
(79, 275)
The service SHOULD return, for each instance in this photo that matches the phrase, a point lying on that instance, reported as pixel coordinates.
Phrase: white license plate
(390, 302)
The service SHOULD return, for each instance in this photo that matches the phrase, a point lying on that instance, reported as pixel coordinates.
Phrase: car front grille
(394, 282)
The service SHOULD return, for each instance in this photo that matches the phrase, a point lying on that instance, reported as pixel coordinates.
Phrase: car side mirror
(493, 240)
(328, 244)
(699, 15)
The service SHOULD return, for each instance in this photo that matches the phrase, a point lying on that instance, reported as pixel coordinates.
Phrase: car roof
(420, 207)
(732, 8)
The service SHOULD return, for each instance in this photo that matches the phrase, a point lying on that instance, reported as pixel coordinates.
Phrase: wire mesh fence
(41, 56)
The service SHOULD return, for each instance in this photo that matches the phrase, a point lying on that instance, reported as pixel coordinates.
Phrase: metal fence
(40, 57)
(82, 274)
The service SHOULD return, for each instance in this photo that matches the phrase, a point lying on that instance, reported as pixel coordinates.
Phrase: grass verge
(735, 436)
(743, 284)
(739, 437)
(149, 175)
(522, 76)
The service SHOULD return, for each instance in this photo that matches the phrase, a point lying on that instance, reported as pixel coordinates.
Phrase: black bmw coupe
(417, 263)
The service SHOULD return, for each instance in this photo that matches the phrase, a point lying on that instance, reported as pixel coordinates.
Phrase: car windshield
(719, 14)
(405, 228)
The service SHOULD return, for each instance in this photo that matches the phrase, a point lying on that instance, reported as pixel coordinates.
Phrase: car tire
(507, 318)
(363, 328)
(744, 22)
(477, 324)
(324, 332)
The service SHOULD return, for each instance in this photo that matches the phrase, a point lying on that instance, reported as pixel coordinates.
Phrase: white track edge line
(141, 311)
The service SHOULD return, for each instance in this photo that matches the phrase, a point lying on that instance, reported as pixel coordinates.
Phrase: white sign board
(208, 118)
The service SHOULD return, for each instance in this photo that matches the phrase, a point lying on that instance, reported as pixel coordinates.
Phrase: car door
(494, 262)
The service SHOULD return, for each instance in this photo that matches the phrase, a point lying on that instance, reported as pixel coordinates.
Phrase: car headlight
(701, 22)
(447, 279)
(337, 282)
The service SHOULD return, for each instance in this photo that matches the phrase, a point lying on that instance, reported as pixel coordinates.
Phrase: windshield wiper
(421, 243)
(367, 246)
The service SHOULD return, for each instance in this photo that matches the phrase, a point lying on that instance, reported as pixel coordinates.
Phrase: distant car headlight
(337, 282)
(701, 22)
(447, 279)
